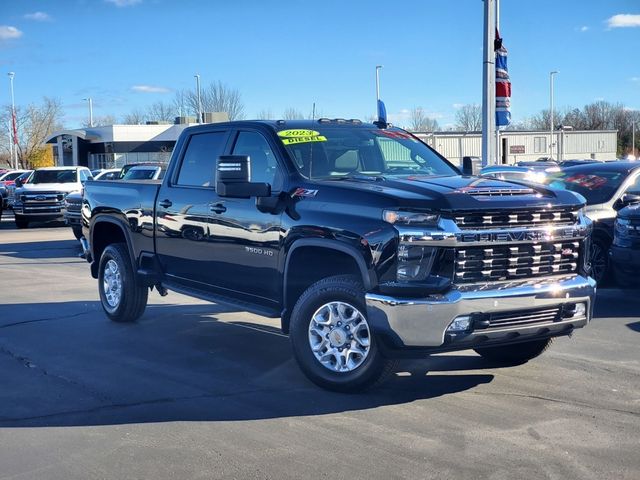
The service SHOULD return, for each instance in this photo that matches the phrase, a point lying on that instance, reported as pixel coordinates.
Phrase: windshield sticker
(290, 137)
(591, 182)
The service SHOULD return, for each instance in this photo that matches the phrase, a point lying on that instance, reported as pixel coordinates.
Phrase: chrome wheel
(112, 283)
(339, 336)
(598, 261)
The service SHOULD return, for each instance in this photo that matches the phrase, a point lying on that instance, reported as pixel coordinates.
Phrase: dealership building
(116, 145)
(518, 146)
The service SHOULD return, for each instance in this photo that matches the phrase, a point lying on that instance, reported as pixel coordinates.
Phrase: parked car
(367, 243)
(129, 166)
(11, 186)
(145, 172)
(540, 165)
(576, 162)
(43, 197)
(607, 188)
(3, 199)
(8, 178)
(624, 254)
(515, 172)
(73, 202)
(108, 174)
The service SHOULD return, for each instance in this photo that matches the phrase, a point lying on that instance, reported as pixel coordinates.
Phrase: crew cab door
(183, 212)
(247, 241)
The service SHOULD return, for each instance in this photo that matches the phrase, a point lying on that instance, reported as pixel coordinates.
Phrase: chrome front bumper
(423, 322)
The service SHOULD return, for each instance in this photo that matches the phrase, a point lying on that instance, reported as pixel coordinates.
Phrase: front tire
(516, 354)
(21, 221)
(123, 298)
(332, 340)
(599, 259)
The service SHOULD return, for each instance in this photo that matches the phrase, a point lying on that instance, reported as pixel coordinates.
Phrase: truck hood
(49, 187)
(449, 193)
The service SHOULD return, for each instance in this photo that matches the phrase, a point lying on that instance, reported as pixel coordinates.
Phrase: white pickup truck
(42, 199)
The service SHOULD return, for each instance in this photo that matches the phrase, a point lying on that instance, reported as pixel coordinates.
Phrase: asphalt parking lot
(195, 390)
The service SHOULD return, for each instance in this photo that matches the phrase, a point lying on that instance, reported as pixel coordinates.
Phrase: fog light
(581, 310)
(460, 324)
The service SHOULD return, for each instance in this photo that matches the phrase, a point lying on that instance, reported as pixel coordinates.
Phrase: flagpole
(498, 159)
(488, 85)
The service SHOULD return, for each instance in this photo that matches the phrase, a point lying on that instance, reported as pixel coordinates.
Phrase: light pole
(378, 67)
(14, 127)
(90, 100)
(551, 74)
(199, 100)
(633, 140)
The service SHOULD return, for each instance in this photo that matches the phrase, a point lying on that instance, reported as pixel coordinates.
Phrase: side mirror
(19, 183)
(626, 199)
(471, 166)
(233, 174)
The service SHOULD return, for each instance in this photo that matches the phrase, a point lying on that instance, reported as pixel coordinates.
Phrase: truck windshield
(54, 176)
(597, 186)
(343, 151)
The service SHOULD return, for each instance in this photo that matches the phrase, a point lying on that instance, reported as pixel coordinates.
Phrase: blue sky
(282, 54)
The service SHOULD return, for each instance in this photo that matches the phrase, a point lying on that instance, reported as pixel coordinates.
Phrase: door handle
(166, 203)
(217, 208)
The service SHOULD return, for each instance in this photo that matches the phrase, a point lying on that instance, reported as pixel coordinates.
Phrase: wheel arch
(310, 260)
(106, 230)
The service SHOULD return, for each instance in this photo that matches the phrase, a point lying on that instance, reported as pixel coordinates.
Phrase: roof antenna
(313, 112)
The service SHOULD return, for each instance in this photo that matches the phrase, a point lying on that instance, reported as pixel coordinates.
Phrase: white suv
(43, 197)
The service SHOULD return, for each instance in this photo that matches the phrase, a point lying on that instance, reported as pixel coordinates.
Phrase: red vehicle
(9, 177)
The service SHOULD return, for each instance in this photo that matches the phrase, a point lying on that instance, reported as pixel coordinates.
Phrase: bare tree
(421, 122)
(217, 97)
(161, 112)
(135, 117)
(35, 123)
(291, 113)
(101, 120)
(265, 114)
(469, 118)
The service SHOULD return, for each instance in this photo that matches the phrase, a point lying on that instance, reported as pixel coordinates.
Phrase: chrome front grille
(477, 220)
(42, 202)
(506, 262)
(522, 318)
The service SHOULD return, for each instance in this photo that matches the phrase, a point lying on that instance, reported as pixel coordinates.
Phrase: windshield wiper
(359, 177)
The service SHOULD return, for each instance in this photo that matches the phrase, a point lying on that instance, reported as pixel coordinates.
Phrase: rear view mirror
(233, 173)
(18, 183)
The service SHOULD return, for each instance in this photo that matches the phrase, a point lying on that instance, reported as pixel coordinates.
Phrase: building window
(539, 144)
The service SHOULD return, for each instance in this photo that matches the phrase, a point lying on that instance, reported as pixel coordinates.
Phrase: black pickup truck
(367, 243)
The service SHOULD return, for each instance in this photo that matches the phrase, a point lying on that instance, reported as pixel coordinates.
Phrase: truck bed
(131, 202)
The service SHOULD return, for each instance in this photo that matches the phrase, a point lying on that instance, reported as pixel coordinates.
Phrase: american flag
(14, 126)
(503, 85)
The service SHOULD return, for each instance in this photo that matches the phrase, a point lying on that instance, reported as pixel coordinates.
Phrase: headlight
(414, 262)
(399, 217)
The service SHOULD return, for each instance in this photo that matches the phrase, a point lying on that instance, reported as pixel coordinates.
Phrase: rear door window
(198, 167)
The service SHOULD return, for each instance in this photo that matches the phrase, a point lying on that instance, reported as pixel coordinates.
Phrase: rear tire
(332, 340)
(77, 232)
(21, 221)
(123, 298)
(516, 354)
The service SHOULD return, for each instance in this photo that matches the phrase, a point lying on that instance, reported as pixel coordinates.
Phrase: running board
(222, 300)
